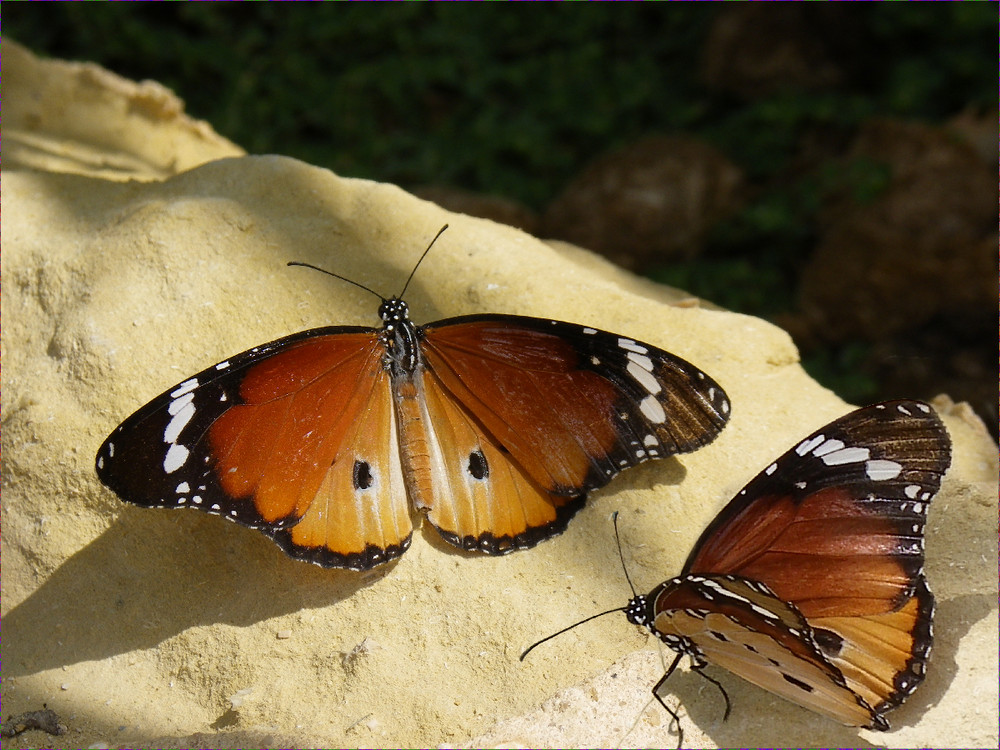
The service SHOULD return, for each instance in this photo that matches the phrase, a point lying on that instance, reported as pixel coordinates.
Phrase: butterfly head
(393, 312)
(637, 611)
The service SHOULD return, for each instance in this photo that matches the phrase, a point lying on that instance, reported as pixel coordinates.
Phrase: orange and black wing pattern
(572, 405)
(810, 582)
(295, 438)
(494, 427)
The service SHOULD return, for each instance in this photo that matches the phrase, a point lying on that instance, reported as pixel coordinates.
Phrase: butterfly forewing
(836, 524)
(573, 405)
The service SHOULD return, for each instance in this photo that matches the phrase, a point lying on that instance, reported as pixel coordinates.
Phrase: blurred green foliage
(513, 101)
(493, 99)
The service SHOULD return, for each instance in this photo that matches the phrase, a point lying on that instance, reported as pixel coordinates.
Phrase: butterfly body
(494, 427)
(810, 582)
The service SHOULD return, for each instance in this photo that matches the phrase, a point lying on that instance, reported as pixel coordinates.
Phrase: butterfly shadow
(151, 576)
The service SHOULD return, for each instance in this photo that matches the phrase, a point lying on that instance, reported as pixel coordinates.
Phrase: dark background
(806, 104)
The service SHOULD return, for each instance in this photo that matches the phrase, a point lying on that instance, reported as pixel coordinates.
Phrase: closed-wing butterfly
(493, 426)
(810, 582)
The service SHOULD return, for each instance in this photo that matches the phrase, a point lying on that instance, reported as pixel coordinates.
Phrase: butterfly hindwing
(882, 657)
(479, 499)
(741, 626)
(573, 405)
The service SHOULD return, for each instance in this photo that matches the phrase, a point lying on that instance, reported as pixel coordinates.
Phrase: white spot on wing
(652, 410)
(643, 377)
(771, 469)
(180, 402)
(179, 421)
(911, 491)
(222, 365)
(806, 446)
(186, 387)
(846, 456)
(880, 470)
(631, 346)
(642, 360)
(589, 331)
(183, 488)
(827, 446)
(175, 458)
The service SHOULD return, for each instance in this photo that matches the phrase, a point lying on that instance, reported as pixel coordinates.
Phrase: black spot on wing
(478, 467)
(798, 683)
(829, 643)
(362, 475)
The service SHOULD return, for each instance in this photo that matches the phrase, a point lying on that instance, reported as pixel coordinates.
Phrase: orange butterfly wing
(740, 626)
(295, 438)
(479, 499)
(571, 404)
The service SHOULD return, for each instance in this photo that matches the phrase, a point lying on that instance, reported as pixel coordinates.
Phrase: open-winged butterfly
(494, 426)
(810, 582)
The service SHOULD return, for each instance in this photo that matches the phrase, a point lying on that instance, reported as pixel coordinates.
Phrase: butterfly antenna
(570, 627)
(336, 276)
(618, 541)
(440, 232)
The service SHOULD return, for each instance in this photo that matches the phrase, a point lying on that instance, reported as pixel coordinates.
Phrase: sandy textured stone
(153, 627)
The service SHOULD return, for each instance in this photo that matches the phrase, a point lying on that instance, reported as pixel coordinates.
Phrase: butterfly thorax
(401, 338)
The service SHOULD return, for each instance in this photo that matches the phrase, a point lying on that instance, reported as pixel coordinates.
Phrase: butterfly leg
(673, 714)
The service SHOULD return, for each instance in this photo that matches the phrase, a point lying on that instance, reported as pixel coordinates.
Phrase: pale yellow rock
(152, 627)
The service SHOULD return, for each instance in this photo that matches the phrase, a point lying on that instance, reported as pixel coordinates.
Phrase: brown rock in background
(924, 247)
(756, 50)
(647, 203)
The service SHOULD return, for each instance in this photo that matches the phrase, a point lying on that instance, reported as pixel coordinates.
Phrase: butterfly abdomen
(414, 450)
